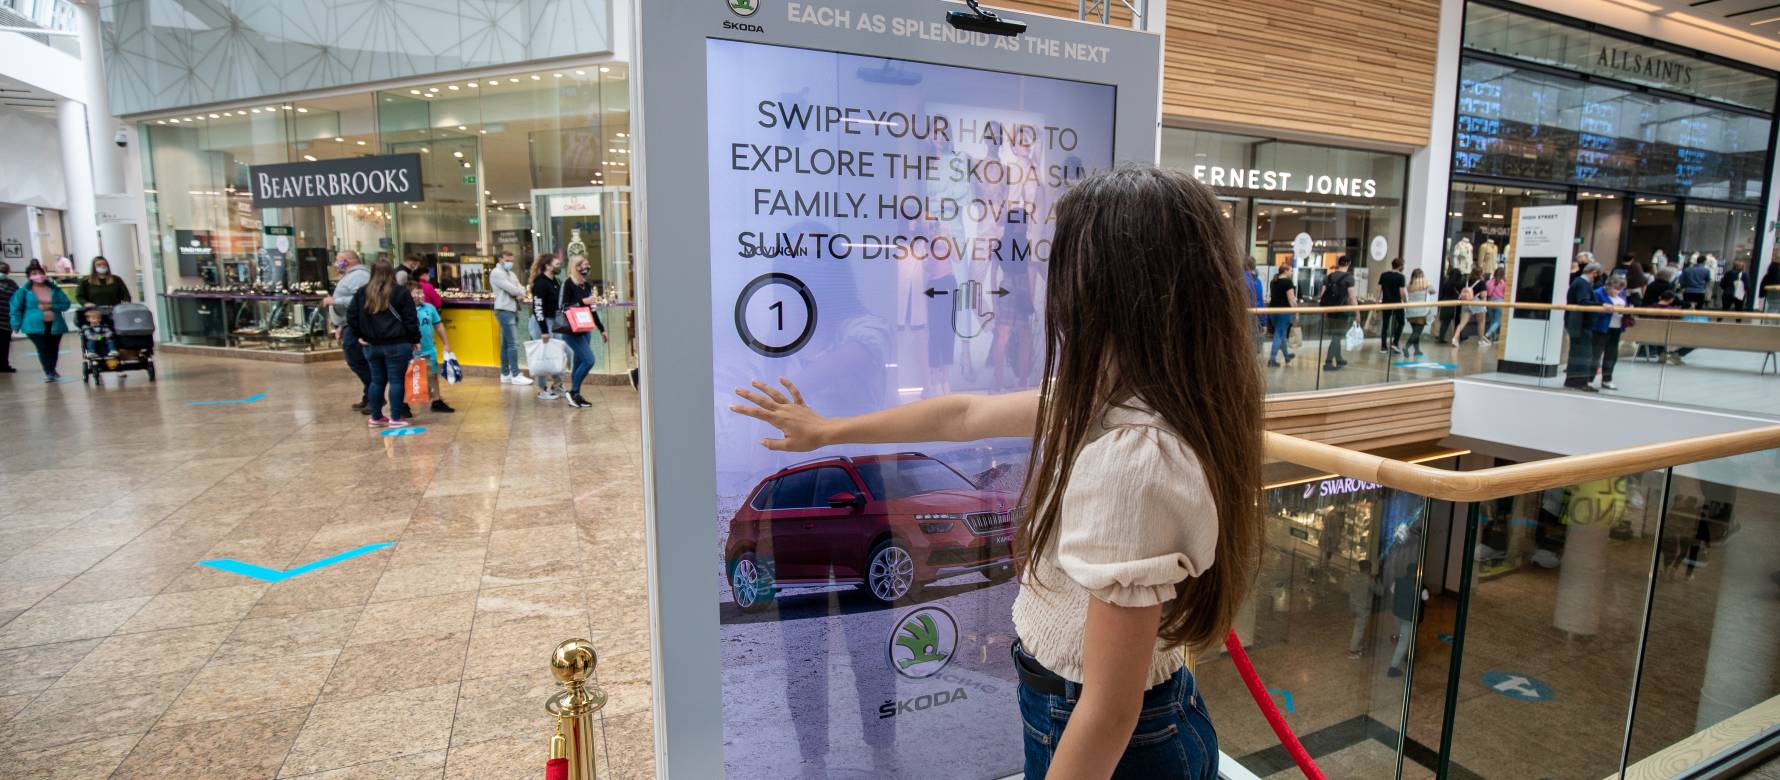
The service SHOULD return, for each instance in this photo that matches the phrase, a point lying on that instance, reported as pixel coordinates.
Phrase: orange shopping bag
(417, 379)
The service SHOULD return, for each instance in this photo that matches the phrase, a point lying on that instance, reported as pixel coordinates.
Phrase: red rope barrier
(1258, 692)
(556, 769)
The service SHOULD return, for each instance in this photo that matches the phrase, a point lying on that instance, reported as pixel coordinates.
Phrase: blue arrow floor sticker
(1286, 697)
(247, 400)
(273, 575)
(404, 432)
(1428, 365)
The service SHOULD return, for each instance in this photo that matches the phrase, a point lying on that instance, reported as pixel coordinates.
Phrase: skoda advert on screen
(879, 234)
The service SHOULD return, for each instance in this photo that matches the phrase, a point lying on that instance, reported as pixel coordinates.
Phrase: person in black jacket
(546, 300)
(1737, 287)
(1580, 325)
(578, 291)
(1450, 284)
(7, 288)
(382, 318)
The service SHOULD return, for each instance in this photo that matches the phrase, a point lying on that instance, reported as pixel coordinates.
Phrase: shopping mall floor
(516, 523)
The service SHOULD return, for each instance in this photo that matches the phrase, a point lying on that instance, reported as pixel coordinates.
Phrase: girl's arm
(956, 417)
(1116, 646)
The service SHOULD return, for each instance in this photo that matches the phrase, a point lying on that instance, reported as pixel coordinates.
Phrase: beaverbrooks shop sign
(389, 178)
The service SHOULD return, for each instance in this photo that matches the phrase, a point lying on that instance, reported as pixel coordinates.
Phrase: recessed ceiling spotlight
(513, 80)
(361, 143)
(558, 75)
(302, 110)
(452, 87)
(309, 157)
(471, 85)
(493, 82)
(458, 155)
(604, 69)
(413, 91)
(461, 127)
(580, 73)
(536, 77)
(339, 140)
(213, 116)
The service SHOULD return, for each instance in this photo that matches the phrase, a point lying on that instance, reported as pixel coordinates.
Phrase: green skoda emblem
(743, 7)
(923, 642)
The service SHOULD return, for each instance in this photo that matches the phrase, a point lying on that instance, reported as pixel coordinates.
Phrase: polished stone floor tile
(449, 576)
(625, 679)
(232, 691)
(450, 613)
(504, 706)
(287, 636)
(630, 745)
(397, 665)
(45, 624)
(92, 760)
(509, 758)
(32, 669)
(244, 748)
(424, 766)
(519, 645)
(96, 585)
(374, 728)
(152, 652)
(197, 607)
(62, 715)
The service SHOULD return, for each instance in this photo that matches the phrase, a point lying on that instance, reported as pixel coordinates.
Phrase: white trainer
(521, 379)
(506, 380)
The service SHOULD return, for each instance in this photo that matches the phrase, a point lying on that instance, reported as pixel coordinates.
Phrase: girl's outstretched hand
(803, 429)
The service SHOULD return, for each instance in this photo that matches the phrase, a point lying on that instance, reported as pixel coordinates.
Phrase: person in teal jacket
(36, 311)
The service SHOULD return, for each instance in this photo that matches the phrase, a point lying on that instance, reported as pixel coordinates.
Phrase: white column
(117, 242)
(1741, 653)
(1430, 168)
(77, 171)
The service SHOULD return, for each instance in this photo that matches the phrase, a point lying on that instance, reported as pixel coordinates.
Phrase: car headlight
(936, 524)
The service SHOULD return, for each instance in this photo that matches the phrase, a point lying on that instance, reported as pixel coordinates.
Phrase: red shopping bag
(417, 379)
(580, 318)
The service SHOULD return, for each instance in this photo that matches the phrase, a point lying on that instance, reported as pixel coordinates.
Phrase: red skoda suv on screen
(890, 523)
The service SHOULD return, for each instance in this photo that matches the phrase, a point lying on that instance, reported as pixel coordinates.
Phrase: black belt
(1034, 675)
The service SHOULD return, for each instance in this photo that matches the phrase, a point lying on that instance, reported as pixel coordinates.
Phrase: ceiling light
(425, 150)
(413, 91)
(452, 87)
(160, 121)
(213, 116)
(492, 82)
(339, 140)
(466, 163)
(485, 132)
(309, 157)
(458, 155)
(622, 135)
(513, 80)
(361, 143)
(432, 89)
(580, 73)
(413, 206)
(471, 85)
(302, 110)
(604, 69)
(461, 127)
(271, 108)
(256, 110)
(535, 77)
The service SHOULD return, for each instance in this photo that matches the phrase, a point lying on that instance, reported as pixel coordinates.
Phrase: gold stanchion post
(576, 705)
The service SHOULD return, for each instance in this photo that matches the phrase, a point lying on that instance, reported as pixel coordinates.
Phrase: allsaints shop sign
(390, 178)
(1648, 66)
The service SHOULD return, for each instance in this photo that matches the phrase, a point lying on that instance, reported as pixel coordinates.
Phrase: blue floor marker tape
(247, 400)
(273, 575)
(403, 432)
(1286, 696)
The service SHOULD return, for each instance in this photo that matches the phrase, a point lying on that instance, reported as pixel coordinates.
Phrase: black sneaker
(442, 407)
(361, 406)
(577, 401)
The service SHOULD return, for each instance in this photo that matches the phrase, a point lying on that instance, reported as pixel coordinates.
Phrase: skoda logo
(743, 7)
(922, 642)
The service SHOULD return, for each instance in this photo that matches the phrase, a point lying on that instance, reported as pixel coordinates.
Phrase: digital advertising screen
(879, 233)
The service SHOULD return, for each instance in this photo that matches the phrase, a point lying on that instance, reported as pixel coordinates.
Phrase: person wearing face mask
(546, 299)
(36, 311)
(577, 291)
(353, 277)
(7, 288)
(508, 292)
(100, 288)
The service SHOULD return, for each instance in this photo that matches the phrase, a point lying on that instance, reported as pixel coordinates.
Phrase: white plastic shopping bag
(547, 357)
(450, 369)
(1354, 339)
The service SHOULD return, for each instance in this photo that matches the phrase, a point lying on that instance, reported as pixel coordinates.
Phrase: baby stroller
(133, 337)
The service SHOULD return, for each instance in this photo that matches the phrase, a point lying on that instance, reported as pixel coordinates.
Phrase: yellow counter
(475, 336)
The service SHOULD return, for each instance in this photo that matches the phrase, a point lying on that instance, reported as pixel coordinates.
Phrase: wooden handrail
(1490, 483)
(1715, 314)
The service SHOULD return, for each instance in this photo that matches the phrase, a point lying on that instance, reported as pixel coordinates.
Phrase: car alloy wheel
(891, 573)
(747, 587)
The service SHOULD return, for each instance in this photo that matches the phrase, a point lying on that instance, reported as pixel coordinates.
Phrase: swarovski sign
(390, 178)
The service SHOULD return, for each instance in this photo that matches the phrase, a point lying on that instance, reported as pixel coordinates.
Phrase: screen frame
(672, 191)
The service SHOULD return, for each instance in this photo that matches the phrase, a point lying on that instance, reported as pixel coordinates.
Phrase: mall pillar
(82, 234)
(117, 242)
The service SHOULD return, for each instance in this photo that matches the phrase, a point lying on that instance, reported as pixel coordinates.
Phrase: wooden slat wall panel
(1355, 69)
(1366, 418)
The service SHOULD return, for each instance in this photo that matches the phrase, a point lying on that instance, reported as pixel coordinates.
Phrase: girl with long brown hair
(1142, 528)
(382, 318)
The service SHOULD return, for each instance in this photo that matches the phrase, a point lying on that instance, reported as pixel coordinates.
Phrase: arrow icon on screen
(1000, 291)
(932, 292)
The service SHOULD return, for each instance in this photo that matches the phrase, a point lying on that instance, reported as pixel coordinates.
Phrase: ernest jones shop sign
(389, 178)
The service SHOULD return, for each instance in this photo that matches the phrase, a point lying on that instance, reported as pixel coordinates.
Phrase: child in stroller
(95, 335)
(117, 339)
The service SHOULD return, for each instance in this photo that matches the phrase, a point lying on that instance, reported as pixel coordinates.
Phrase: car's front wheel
(1000, 574)
(749, 585)
(890, 572)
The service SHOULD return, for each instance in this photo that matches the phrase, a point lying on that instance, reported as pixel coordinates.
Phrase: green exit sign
(470, 178)
(475, 220)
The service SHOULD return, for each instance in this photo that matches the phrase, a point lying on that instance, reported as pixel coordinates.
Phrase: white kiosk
(858, 196)
(1544, 243)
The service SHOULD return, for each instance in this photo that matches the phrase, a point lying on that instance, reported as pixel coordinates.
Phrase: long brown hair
(541, 265)
(93, 275)
(382, 285)
(1147, 301)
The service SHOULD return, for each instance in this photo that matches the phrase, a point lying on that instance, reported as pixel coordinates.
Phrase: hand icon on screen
(968, 300)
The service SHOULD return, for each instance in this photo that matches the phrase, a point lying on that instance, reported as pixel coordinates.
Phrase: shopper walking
(36, 311)
(1769, 289)
(1694, 281)
(382, 318)
(432, 337)
(1608, 327)
(1147, 439)
(1737, 288)
(1496, 290)
(1338, 290)
(7, 288)
(1417, 316)
(1580, 325)
(577, 291)
(1474, 290)
(1450, 284)
(1390, 290)
(508, 292)
(1363, 590)
(546, 300)
(1282, 294)
(1400, 564)
(100, 288)
(353, 277)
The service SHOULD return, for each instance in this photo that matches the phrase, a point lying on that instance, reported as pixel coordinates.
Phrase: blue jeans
(1282, 330)
(581, 344)
(389, 372)
(1173, 739)
(509, 324)
(1495, 324)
